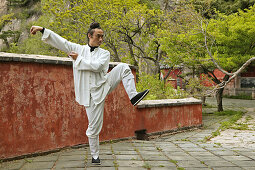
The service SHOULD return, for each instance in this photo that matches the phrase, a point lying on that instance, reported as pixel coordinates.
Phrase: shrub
(158, 89)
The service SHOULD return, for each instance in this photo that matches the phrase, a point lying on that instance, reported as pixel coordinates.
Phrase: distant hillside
(15, 17)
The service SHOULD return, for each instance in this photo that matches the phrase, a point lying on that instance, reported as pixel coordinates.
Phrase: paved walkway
(186, 150)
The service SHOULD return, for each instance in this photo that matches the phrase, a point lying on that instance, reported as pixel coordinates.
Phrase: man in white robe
(92, 83)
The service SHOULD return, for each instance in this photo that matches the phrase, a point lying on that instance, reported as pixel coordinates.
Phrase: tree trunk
(219, 94)
(203, 98)
(158, 69)
(167, 74)
(116, 57)
(132, 53)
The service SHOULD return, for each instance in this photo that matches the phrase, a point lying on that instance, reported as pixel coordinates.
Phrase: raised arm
(55, 40)
(34, 29)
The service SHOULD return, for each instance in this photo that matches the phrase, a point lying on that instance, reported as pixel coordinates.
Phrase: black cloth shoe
(135, 100)
(96, 161)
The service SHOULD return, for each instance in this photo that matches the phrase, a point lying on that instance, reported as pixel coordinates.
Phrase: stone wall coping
(168, 102)
(34, 58)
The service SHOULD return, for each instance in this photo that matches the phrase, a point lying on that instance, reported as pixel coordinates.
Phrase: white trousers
(123, 73)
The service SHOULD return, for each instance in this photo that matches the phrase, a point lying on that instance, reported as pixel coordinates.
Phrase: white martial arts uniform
(92, 83)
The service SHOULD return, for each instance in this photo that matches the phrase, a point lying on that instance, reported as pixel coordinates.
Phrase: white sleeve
(59, 42)
(93, 65)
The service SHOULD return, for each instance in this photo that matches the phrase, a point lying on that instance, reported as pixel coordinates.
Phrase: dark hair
(92, 28)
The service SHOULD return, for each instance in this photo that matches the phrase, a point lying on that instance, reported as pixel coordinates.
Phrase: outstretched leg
(124, 73)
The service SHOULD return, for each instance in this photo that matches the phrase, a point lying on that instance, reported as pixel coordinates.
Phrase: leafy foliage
(196, 86)
(232, 6)
(131, 27)
(230, 39)
(158, 89)
(235, 38)
(4, 19)
(208, 8)
(14, 24)
(4, 35)
(28, 45)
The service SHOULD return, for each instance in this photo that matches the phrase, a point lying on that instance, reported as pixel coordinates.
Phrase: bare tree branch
(224, 83)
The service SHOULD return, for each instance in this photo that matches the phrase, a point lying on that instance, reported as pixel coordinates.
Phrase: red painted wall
(38, 111)
(220, 75)
(250, 72)
(173, 75)
(173, 117)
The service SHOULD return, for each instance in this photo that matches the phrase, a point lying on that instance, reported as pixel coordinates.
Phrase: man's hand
(34, 29)
(73, 54)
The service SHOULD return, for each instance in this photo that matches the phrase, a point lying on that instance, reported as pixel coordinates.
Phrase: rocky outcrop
(3, 7)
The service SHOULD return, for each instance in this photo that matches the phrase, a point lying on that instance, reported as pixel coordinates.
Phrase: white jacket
(89, 69)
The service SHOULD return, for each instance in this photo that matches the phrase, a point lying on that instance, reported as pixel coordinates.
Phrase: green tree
(131, 27)
(226, 43)
(208, 8)
(18, 12)
(4, 35)
(234, 44)
(231, 6)
(159, 89)
(28, 46)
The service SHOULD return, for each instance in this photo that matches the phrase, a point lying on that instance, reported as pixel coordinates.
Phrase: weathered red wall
(38, 111)
(174, 117)
(220, 75)
(173, 75)
(250, 72)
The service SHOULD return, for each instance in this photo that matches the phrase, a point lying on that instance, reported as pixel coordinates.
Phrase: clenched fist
(73, 54)
(34, 29)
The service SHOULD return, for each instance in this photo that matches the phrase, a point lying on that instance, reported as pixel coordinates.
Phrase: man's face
(97, 38)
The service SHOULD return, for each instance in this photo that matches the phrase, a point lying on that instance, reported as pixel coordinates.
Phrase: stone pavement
(185, 150)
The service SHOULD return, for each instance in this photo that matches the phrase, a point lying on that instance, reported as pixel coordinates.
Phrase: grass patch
(146, 165)
(216, 133)
(174, 161)
(219, 144)
(240, 126)
(180, 168)
(185, 140)
(248, 118)
(240, 96)
(28, 160)
(159, 149)
(231, 123)
(229, 113)
(208, 106)
(232, 116)
(115, 164)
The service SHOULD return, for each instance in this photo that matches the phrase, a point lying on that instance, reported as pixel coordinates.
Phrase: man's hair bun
(94, 25)
(92, 28)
